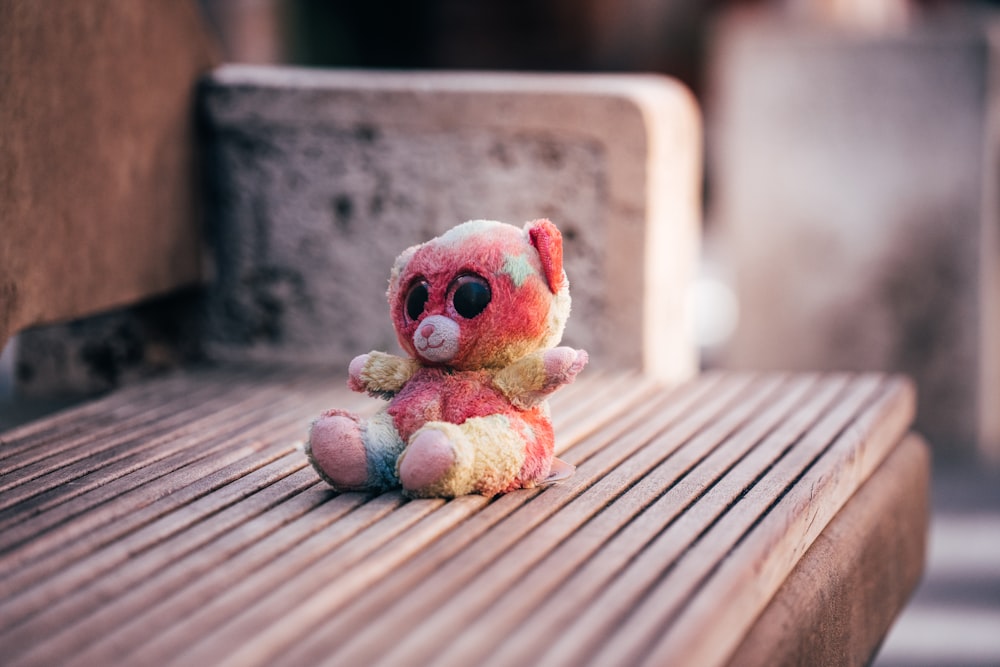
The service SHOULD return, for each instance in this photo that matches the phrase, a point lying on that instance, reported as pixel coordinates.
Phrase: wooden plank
(126, 404)
(799, 496)
(573, 584)
(97, 156)
(56, 566)
(323, 584)
(429, 585)
(214, 441)
(506, 569)
(99, 461)
(840, 600)
(237, 554)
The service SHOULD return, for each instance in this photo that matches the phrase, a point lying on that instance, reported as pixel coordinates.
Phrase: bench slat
(214, 543)
(707, 586)
(563, 604)
(869, 558)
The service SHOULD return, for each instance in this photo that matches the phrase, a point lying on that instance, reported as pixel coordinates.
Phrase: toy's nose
(427, 330)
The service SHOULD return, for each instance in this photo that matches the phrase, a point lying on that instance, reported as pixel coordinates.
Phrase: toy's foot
(426, 462)
(337, 452)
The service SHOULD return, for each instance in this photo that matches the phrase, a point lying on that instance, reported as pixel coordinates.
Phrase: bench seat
(735, 519)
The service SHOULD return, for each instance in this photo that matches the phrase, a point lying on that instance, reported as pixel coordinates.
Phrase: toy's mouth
(436, 339)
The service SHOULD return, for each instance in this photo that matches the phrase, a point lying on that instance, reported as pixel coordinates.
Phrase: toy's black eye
(471, 296)
(416, 300)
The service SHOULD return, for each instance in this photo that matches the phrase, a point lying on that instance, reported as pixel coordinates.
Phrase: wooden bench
(729, 519)
(736, 519)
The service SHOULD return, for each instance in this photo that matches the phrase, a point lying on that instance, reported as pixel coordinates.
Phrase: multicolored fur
(478, 309)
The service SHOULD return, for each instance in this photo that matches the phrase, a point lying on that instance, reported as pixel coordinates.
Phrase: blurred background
(852, 183)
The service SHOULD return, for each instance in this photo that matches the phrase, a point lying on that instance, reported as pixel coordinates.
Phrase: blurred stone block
(104, 351)
(320, 178)
(989, 269)
(849, 174)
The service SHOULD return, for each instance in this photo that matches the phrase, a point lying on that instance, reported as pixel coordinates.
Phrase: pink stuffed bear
(478, 310)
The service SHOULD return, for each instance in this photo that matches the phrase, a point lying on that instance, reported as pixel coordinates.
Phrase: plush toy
(478, 309)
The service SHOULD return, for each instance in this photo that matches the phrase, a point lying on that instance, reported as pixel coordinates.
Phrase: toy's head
(481, 295)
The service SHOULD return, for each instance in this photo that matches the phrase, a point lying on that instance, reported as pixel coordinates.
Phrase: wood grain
(98, 173)
(844, 594)
(178, 523)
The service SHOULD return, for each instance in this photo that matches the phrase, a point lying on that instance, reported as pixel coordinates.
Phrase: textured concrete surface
(849, 183)
(320, 178)
(104, 351)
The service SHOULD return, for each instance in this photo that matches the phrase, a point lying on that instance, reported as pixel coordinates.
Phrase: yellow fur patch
(387, 372)
(525, 376)
(489, 455)
(499, 452)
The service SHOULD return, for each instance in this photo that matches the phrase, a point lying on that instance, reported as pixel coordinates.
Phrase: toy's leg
(484, 455)
(351, 454)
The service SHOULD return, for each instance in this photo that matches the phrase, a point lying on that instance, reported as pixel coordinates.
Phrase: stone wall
(849, 181)
(320, 178)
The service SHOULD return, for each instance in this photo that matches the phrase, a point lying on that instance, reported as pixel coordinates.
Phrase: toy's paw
(337, 452)
(426, 462)
(354, 371)
(562, 364)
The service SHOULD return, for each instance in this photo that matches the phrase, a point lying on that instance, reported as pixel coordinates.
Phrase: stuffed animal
(478, 310)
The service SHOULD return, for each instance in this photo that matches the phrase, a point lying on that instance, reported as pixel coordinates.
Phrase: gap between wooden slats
(73, 583)
(360, 522)
(294, 586)
(139, 460)
(227, 434)
(446, 567)
(609, 617)
(767, 546)
(534, 607)
(433, 557)
(133, 561)
(105, 593)
(127, 403)
(215, 576)
(82, 429)
(169, 495)
(107, 501)
(570, 597)
(434, 633)
(127, 443)
(185, 445)
(60, 452)
(209, 574)
(148, 399)
(251, 589)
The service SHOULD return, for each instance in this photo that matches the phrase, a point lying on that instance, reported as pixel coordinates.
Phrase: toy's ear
(548, 242)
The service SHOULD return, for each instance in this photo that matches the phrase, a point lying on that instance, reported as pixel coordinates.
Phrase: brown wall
(97, 178)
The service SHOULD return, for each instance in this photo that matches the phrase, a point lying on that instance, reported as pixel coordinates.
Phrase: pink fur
(337, 450)
(481, 302)
(426, 460)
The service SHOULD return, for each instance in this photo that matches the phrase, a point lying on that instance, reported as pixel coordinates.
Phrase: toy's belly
(433, 395)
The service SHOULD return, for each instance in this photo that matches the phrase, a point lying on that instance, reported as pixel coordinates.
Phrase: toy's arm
(380, 374)
(528, 381)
